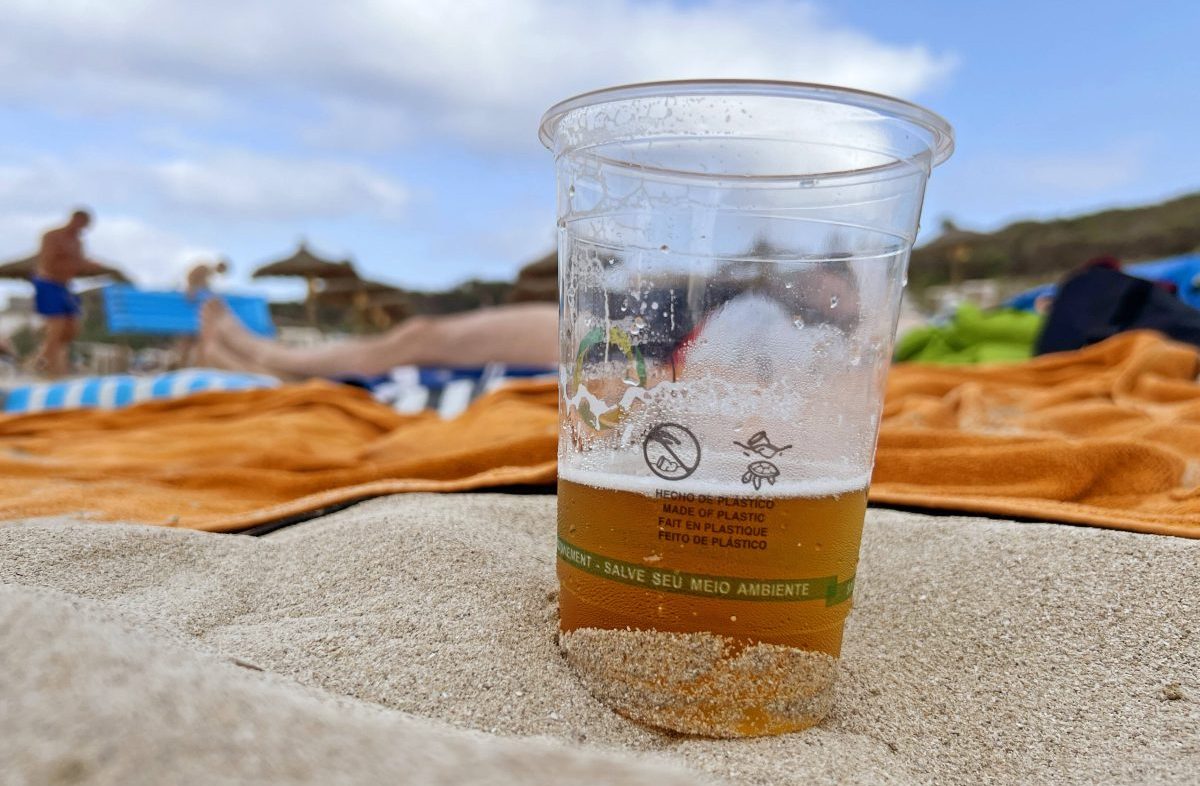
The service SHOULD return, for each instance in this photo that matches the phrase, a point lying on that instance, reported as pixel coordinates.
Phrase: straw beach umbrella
(372, 301)
(315, 270)
(25, 267)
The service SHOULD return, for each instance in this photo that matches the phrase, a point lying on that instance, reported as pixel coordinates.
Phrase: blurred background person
(197, 287)
(60, 260)
(199, 278)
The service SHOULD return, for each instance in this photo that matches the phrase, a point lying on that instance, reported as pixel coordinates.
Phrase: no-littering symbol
(671, 451)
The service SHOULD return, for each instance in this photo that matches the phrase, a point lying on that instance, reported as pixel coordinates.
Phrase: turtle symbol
(758, 471)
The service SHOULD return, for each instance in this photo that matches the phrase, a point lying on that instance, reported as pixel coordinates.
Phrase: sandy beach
(412, 639)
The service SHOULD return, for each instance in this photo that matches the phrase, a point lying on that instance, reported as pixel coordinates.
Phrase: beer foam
(649, 485)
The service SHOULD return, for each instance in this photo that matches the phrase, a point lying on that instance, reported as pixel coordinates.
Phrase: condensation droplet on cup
(788, 285)
(664, 248)
(733, 618)
(638, 326)
(654, 305)
(833, 302)
(571, 190)
(798, 322)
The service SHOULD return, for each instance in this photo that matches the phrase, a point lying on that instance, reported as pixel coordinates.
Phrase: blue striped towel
(121, 390)
(449, 391)
(408, 389)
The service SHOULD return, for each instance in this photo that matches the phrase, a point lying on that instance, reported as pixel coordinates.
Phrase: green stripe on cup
(826, 588)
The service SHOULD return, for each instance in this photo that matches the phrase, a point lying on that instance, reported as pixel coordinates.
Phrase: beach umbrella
(350, 291)
(371, 300)
(24, 269)
(315, 271)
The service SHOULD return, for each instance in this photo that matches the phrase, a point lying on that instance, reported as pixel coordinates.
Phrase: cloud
(999, 188)
(225, 185)
(235, 124)
(477, 70)
(152, 256)
(243, 185)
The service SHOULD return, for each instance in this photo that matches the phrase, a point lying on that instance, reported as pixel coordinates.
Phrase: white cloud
(477, 69)
(1001, 188)
(151, 256)
(243, 185)
(205, 89)
(227, 185)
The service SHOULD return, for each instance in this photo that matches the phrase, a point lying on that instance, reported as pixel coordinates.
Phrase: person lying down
(523, 334)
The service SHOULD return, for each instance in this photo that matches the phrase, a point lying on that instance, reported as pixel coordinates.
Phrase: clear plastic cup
(731, 259)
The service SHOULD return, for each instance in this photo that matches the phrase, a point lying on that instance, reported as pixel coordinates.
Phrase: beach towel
(409, 389)
(228, 461)
(1108, 435)
(973, 336)
(446, 389)
(111, 391)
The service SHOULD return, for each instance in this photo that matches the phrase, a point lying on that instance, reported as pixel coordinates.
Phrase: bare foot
(212, 313)
(217, 355)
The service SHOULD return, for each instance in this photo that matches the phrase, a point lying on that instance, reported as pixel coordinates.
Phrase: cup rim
(938, 126)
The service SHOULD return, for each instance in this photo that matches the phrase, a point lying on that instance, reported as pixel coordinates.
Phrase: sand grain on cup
(702, 683)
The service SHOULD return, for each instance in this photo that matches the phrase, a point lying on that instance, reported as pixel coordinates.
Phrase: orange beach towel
(228, 461)
(1108, 435)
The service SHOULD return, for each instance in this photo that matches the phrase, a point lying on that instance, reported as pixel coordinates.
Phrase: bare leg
(53, 358)
(525, 335)
(228, 344)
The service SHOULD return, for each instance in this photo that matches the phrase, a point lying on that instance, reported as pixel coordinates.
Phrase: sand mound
(978, 651)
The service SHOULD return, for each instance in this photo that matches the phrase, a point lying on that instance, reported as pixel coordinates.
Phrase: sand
(412, 639)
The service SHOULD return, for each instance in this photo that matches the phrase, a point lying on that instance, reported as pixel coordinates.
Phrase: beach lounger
(133, 310)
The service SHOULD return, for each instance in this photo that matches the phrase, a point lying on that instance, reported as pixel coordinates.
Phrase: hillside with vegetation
(1044, 250)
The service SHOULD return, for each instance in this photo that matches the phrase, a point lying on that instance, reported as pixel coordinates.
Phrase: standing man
(60, 260)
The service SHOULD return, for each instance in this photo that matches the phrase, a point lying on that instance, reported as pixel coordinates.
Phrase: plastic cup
(731, 260)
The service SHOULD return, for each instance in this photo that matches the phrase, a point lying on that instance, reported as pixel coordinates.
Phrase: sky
(402, 133)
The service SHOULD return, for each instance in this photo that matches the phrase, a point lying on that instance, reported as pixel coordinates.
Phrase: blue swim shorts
(52, 299)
